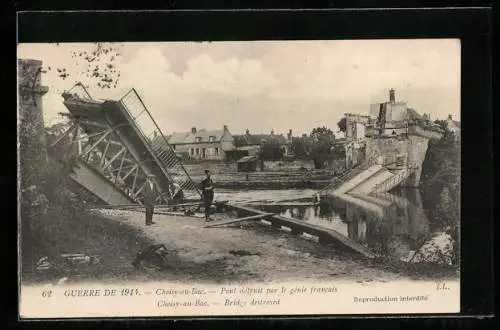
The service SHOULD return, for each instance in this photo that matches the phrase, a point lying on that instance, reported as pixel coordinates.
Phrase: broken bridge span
(118, 145)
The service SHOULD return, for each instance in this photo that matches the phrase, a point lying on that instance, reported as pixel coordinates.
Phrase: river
(393, 225)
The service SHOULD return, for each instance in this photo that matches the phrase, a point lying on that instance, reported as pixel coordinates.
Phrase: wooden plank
(353, 245)
(226, 222)
(304, 226)
(114, 206)
(196, 215)
(131, 206)
(282, 204)
(245, 208)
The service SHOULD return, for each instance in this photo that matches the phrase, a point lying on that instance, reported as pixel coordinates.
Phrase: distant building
(390, 119)
(247, 164)
(355, 126)
(453, 126)
(202, 144)
(253, 142)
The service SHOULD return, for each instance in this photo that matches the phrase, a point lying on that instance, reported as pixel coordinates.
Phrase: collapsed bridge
(118, 145)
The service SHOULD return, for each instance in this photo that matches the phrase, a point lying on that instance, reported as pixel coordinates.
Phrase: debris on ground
(243, 253)
(154, 257)
(189, 212)
(43, 264)
(66, 261)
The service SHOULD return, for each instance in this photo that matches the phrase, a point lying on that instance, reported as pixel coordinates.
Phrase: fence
(394, 180)
(80, 91)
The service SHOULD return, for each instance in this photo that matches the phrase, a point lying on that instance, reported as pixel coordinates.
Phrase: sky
(264, 85)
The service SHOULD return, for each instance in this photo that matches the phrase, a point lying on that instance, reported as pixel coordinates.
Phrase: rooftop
(196, 136)
(256, 139)
(247, 159)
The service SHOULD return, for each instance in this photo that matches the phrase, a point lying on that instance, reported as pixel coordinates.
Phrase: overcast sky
(266, 85)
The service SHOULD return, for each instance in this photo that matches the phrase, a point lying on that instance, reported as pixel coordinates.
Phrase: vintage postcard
(239, 178)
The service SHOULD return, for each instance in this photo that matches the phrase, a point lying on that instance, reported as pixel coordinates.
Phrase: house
(202, 144)
(253, 143)
(453, 126)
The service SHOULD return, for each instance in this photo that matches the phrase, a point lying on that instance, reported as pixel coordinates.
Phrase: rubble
(67, 262)
(154, 257)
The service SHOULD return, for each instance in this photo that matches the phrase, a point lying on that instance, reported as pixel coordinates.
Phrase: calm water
(396, 229)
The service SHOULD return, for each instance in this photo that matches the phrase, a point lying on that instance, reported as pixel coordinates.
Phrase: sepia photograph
(223, 178)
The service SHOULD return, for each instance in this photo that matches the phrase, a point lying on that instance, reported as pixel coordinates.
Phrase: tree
(441, 180)
(271, 150)
(342, 124)
(322, 133)
(442, 123)
(301, 146)
(323, 140)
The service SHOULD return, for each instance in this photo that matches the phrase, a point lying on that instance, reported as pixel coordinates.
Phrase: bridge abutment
(406, 151)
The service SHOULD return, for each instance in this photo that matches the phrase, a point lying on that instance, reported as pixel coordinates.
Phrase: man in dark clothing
(208, 194)
(149, 199)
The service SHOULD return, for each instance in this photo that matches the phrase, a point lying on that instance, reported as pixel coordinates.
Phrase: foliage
(322, 133)
(271, 150)
(301, 147)
(441, 180)
(97, 66)
(442, 123)
(45, 188)
(323, 141)
(342, 124)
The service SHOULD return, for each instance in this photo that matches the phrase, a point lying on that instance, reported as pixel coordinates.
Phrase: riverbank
(205, 255)
(276, 179)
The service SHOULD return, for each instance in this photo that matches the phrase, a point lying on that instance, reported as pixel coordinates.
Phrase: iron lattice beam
(114, 139)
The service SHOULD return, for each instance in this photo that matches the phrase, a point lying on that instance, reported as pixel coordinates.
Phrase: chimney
(392, 96)
(225, 128)
(247, 132)
(289, 136)
(449, 117)
(193, 130)
(272, 132)
(155, 134)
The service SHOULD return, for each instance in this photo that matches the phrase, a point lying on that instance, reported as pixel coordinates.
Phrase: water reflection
(396, 231)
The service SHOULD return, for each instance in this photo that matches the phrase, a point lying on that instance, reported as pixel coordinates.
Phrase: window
(198, 139)
(216, 151)
(197, 151)
(191, 151)
(211, 138)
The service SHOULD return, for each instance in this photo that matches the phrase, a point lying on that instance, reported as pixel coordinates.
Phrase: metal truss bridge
(118, 145)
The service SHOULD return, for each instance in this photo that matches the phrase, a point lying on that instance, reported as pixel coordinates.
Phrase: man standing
(208, 194)
(149, 199)
(177, 193)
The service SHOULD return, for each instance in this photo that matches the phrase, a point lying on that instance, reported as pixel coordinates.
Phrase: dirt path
(204, 254)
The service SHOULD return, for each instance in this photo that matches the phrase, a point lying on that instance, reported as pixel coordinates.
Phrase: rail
(80, 91)
(347, 175)
(394, 180)
(156, 141)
